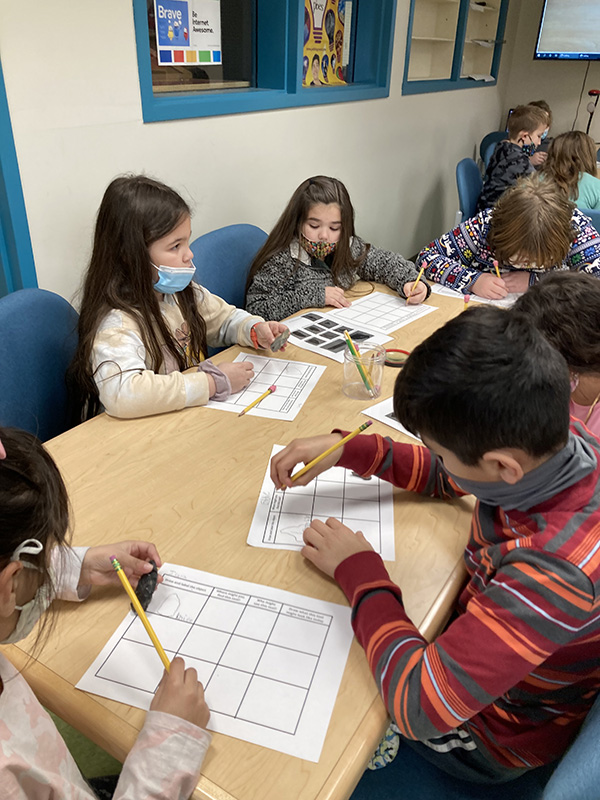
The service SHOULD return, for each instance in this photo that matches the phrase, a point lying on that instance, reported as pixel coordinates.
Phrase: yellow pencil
(419, 276)
(359, 367)
(496, 267)
(269, 391)
(140, 612)
(467, 298)
(331, 449)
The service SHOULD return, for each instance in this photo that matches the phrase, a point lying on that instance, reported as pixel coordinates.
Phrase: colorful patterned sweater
(291, 280)
(460, 256)
(507, 164)
(519, 667)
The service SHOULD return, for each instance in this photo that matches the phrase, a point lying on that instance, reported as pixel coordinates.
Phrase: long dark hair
(135, 212)
(319, 189)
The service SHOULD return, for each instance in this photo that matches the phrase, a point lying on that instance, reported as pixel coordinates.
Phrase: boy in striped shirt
(507, 685)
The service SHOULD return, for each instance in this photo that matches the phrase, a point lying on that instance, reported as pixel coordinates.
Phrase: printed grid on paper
(289, 377)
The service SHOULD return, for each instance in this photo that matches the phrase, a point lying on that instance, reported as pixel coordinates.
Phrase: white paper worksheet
(384, 412)
(323, 334)
(294, 381)
(506, 302)
(366, 505)
(380, 312)
(271, 661)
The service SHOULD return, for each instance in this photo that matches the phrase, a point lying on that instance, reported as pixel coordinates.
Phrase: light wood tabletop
(189, 482)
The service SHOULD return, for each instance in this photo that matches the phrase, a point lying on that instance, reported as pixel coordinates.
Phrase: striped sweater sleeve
(534, 605)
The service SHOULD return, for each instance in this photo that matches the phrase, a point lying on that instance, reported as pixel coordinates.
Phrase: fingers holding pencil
(303, 451)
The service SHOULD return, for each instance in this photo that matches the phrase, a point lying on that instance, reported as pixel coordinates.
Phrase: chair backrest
(577, 775)
(594, 215)
(223, 257)
(38, 337)
(469, 185)
(488, 153)
(490, 138)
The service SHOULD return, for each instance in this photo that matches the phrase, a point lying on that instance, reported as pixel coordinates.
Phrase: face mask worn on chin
(173, 279)
(317, 249)
(33, 610)
(529, 149)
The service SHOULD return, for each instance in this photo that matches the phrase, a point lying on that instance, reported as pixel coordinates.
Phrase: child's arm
(384, 266)
(584, 254)
(284, 286)
(531, 608)
(450, 259)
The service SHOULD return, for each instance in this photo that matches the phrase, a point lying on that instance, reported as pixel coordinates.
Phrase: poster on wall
(188, 31)
(324, 26)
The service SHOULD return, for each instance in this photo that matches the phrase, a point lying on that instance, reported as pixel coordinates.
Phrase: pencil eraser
(112, 558)
(272, 388)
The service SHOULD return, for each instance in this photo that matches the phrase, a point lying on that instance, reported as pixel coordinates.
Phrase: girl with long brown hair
(143, 320)
(37, 565)
(571, 164)
(313, 254)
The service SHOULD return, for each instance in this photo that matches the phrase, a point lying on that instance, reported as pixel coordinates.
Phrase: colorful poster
(188, 31)
(324, 25)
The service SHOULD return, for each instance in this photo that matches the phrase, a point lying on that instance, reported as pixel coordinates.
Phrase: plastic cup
(367, 368)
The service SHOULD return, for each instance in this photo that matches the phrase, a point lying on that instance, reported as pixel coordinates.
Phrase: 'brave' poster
(323, 43)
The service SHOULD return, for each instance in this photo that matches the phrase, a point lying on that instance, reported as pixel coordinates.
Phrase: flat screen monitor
(569, 29)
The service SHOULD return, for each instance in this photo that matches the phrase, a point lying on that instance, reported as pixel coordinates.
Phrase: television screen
(569, 30)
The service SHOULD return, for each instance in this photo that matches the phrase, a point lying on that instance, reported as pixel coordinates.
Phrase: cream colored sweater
(129, 387)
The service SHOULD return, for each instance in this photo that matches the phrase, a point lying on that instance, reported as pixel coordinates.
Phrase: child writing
(565, 307)
(510, 159)
(143, 320)
(313, 254)
(506, 686)
(37, 565)
(571, 164)
(533, 228)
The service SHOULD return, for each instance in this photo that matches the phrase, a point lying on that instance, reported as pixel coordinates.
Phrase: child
(565, 307)
(36, 565)
(142, 318)
(572, 165)
(510, 159)
(541, 153)
(533, 228)
(506, 686)
(313, 254)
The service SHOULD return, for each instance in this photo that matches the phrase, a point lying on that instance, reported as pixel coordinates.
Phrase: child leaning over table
(533, 228)
(37, 565)
(507, 685)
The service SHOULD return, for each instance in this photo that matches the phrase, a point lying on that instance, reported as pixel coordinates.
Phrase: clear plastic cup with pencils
(363, 372)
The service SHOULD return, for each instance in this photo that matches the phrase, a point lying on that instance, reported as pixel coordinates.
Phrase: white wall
(77, 122)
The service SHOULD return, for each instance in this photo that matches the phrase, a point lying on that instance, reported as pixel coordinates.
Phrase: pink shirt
(581, 412)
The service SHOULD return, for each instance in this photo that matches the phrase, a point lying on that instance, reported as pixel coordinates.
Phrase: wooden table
(189, 482)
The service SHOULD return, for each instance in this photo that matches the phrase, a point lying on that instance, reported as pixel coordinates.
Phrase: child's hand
(267, 332)
(538, 158)
(303, 451)
(240, 373)
(97, 569)
(415, 292)
(180, 693)
(329, 543)
(490, 287)
(517, 281)
(334, 296)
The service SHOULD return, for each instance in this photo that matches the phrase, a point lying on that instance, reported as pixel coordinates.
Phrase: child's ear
(8, 587)
(506, 466)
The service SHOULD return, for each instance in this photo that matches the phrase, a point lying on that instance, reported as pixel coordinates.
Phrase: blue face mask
(544, 134)
(173, 279)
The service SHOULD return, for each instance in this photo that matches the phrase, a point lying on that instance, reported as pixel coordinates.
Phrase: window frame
(455, 81)
(279, 71)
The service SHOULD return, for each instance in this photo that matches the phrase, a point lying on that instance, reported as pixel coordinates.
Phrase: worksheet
(506, 302)
(384, 412)
(293, 381)
(270, 661)
(362, 504)
(323, 334)
(380, 312)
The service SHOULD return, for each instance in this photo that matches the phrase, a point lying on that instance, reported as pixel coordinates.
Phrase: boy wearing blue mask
(506, 686)
(511, 157)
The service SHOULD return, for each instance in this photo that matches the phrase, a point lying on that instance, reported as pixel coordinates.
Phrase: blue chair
(38, 337)
(490, 138)
(469, 185)
(594, 215)
(223, 259)
(488, 153)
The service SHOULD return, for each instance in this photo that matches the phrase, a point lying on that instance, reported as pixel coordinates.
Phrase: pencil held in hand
(467, 298)
(419, 276)
(331, 449)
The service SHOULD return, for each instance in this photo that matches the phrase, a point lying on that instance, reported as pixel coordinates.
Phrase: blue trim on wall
(17, 267)
(455, 81)
(280, 25)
